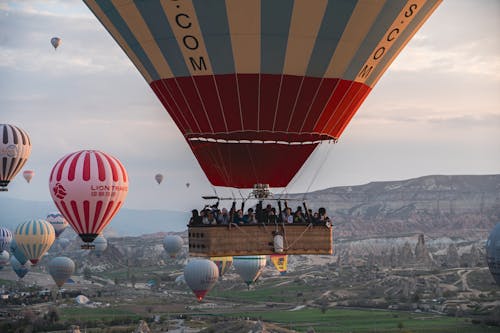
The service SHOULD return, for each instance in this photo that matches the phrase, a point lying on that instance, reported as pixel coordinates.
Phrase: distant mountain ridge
(456, 206)
(128, 222)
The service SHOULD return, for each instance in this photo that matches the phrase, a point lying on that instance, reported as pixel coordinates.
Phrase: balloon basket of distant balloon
(87, 246)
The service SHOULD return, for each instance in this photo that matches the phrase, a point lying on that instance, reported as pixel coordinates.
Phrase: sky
(435, 111)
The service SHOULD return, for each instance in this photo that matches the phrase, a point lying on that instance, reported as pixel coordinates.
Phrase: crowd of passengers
(212, 215)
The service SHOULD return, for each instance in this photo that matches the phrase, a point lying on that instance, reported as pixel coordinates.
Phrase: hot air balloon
(4, 258)
(55, 41)
(280, 262)
(223, 264)
(251, 83)
(172, 245)
(187, 185)
(18, 268)
(15, 148)
(249, 267)
(159, 178)
(61, 269)
(493, 253)
(101, 244)
(58, 222)
(28, 175)
(34, 238)
(17, 252)
(5, 238)
(201, 275)
(88, 187)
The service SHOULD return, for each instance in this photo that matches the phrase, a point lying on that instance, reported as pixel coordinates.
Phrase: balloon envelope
(20, 269)
(58, 222)
(223, 264)
(159, 178)
(173, 245)
(100, 245)
(493, 253)
(280, 262)
(251, 83)
(55, 41)
(17, 252)
(249, 267)
(61, 269)
(15, 148)
(28, 175)
(201, 275)
(88, 187)
(5, 238)
(34, 238)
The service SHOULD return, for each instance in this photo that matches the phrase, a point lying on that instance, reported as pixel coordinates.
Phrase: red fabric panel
(269, 90)
(243, 165)
(329, 109)
(342, 107)
(248, 88)
(320, 100)
(186, 85)
(228, 91)
(181, 102)
(363, 93)
(288, 95)
(304, 102)
(207, 90)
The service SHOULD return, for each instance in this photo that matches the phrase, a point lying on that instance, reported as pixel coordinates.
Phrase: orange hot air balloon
(251, 83)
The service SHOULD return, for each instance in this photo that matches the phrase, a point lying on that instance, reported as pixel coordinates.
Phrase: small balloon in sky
(55, 41)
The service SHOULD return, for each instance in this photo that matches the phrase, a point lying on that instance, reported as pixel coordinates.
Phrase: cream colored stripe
(373, 80)
(306, 21)
(357, 28)
(116, 35)
(130, 14)
(244, 26)
(400, 23)
(185, 26)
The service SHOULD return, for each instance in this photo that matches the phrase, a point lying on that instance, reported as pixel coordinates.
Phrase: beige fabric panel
(304, 27)
(359, 24)
(244, 25)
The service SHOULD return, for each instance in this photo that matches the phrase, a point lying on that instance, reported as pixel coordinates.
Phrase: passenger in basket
(323, 218)
(251, 219)
(238, 217)
(210, 218)
(287, 216)
(223, 217)
(195, 218)
(298, 217)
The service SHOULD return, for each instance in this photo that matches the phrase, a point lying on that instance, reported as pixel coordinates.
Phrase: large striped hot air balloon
(34, 238)
(223, 264)
(201, 275)
(249, 268)
(58, 222)
(61, 269)
(88, 187)
(5, 238)
(15, 148)
(251, 83)
(493, 253)
(173, 245)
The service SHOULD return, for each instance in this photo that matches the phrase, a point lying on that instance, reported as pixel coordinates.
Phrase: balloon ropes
(15, 148)
(88, 188)
(255, 86)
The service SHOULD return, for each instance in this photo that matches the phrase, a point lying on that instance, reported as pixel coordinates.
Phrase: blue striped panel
(38, 251)
(154, 15)
(401, 40)
(337, 15)
(382, 23)
(112, 14)
(276, 16)
(35, 225)
(212, 18)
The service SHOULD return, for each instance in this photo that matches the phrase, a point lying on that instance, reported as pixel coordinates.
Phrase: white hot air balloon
(249, 267)
(159, 178)
(55, 41)
(100, 245)
(172, 245)
(4, 258)
(58, 222)
(201, 275)
(28, 175)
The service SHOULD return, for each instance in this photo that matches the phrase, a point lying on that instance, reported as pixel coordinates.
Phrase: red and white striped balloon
(88, 187)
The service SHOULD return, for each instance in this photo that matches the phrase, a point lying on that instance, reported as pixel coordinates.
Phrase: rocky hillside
(454, 206)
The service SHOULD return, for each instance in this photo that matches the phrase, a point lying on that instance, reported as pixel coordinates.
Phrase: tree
(87, 274)
(133, 280)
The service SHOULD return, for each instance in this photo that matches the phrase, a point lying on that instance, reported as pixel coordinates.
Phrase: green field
(344, 320)
(91, 314)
